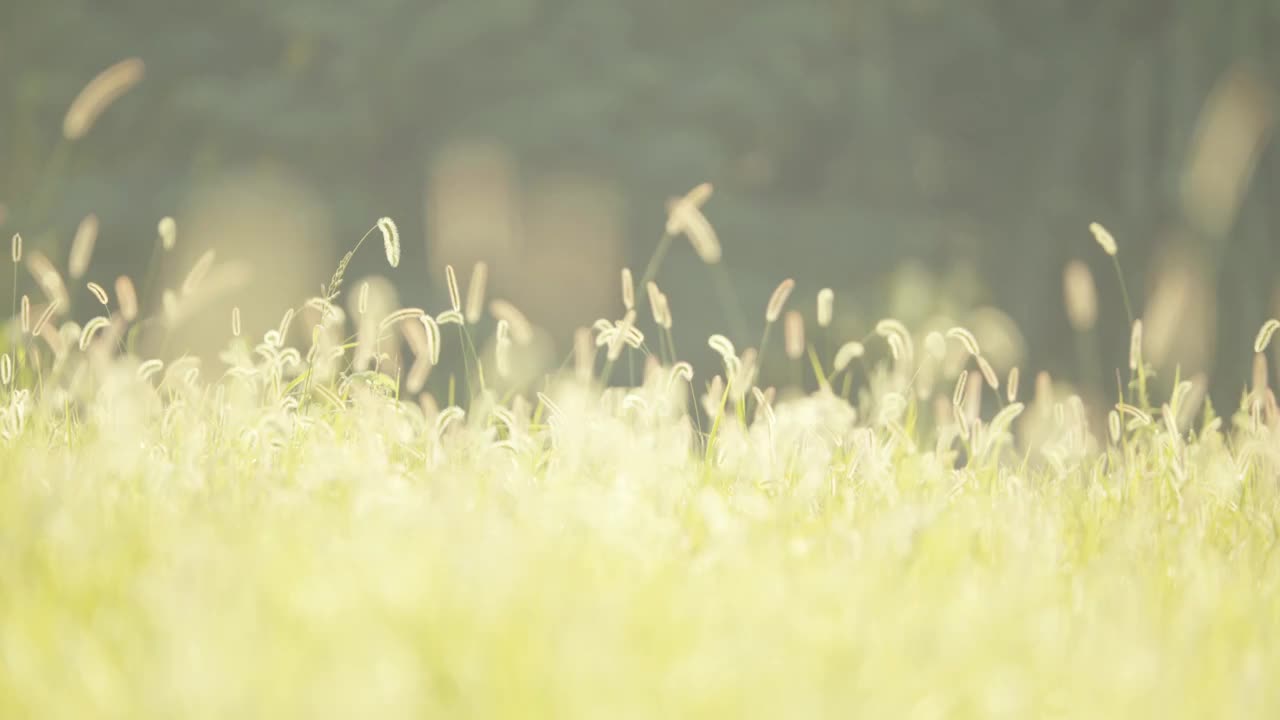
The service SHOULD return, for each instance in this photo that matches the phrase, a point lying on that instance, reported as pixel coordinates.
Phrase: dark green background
(980, 134)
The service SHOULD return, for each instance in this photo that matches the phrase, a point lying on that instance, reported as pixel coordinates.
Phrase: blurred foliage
(844, 137)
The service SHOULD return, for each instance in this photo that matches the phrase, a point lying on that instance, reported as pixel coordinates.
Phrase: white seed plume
(988, 373)
(451, 280)
(621, 332)
(1135, 345)
(167, 228)
(1011, 385)
(15, 248)
(778, 299)
(98, 292)
(98, 95)
(847, 353)
(793, 335)
(684, 215)
(235, 321)
(723, 346)
(1104, 238)
(399, 316)
(957, 395)
(658, 305)
(450, 317)
(475, 292)
(149, 368)
(1113, 426)
(90, 329)
(198, 272)
(826, 306)
(390, 240)
(285, 322)
(502, 349)
(25, 314)
(1080, 296)
(1264, 335)
(127, 298)
(6, 369)
(628, 290)
(898, 337)
(47, 277)
(362, 298)
(433, 337)
(82, 246)
(966, 340)
(43, 320)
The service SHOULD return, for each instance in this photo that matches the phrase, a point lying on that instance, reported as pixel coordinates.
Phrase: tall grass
(291, 533)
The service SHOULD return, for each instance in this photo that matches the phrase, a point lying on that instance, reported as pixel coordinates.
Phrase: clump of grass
(304, 534)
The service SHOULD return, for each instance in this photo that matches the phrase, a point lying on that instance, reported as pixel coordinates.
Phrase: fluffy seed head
(198, 272)
(15, 248)
(502, 348)
(451, 280)
(399, 316)
(1113, 426)
(793, 335)
(957, 395)
(235, 321)
(988, 373)
(1080, 296)
(628, 290)
(826, 306)
(1264, 335)
(26, 314)
(621, 332)
(44, 318)
(847, 353)
(684, 215)
(475, 292)
(285, 322)
(898, 337)
(659, 306)
(362, 298)
(1104, 238)
(90, 329)
(1011, 385)
(390, 240)
(127, 298)
(433, 337)
(6, 369)
(47, 276)
(98, 292)
(168, 230)
(778, 299)
(98, 95)
(1135, 345)
(966, 340)
(723, 346)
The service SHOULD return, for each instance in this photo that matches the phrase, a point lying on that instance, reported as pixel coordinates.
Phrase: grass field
(294, 532)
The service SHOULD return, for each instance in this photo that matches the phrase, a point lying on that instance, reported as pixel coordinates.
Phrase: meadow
(301, 531)
(382, 511)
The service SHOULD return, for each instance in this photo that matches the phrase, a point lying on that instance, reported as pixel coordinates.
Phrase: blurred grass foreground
(330, 502)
